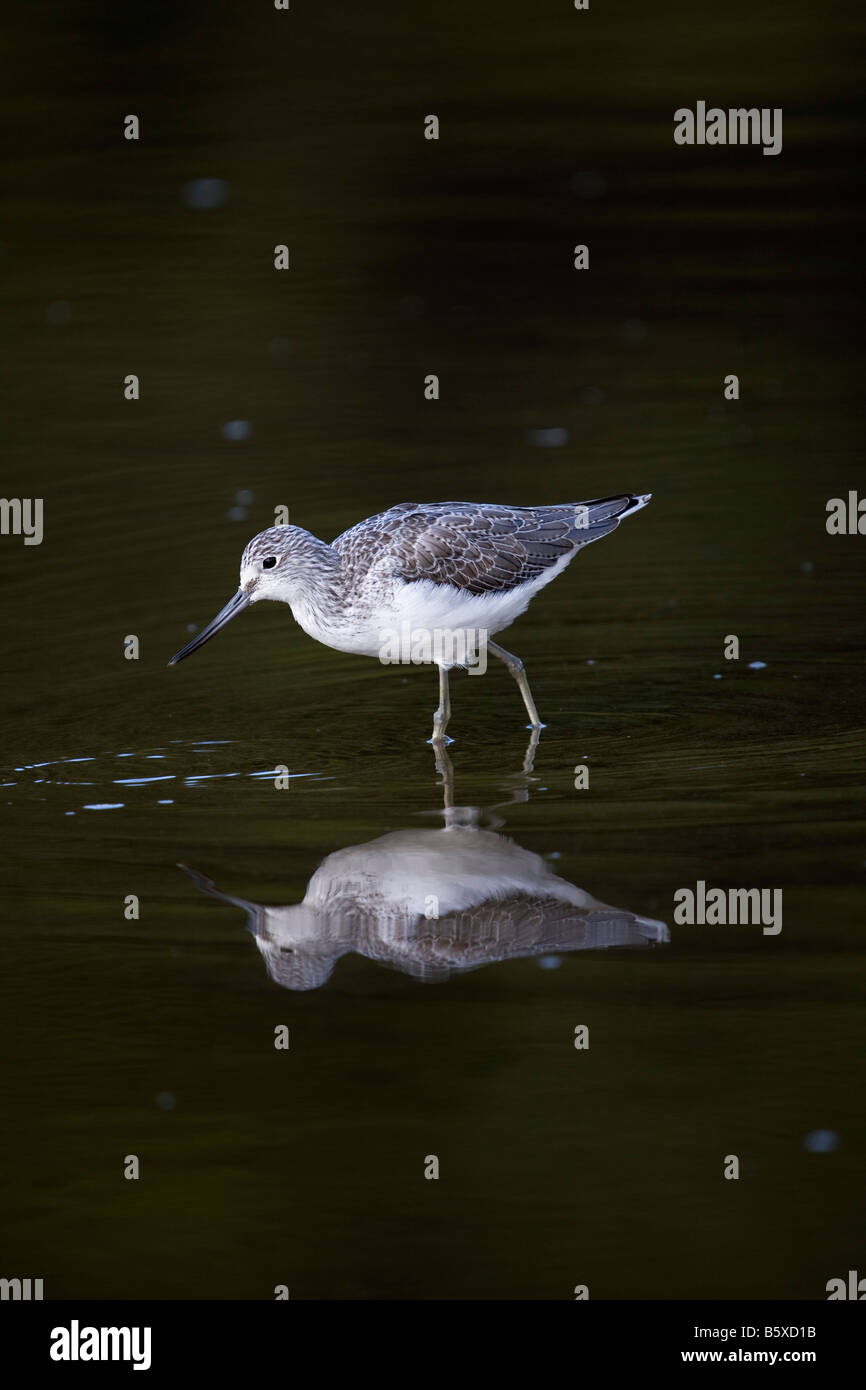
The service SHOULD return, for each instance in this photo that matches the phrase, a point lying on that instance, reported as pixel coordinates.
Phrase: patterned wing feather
(480, 547)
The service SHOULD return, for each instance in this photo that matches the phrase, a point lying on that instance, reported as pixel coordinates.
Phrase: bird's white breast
(416, 611)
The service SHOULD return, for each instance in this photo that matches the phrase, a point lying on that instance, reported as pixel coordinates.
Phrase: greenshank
(437, 578)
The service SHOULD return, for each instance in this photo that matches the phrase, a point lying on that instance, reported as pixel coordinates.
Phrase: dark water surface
(154, 1036)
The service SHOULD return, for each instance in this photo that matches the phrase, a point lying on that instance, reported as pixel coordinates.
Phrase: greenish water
(155, 1036)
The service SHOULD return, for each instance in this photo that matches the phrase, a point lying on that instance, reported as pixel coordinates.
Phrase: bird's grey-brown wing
(483, 548)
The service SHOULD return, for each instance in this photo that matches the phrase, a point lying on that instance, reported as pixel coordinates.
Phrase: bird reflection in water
(432, 903)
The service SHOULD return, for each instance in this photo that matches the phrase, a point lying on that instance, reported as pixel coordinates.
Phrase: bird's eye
(269, 563)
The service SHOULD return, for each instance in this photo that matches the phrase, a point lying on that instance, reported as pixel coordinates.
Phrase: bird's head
(266, 572)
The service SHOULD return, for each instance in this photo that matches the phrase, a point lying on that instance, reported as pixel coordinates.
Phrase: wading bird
(444, 576)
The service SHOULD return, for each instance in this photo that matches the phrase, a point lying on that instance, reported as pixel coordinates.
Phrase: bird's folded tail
(592, 520)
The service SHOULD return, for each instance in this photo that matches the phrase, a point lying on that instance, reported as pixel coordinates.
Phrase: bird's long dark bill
(225, 615)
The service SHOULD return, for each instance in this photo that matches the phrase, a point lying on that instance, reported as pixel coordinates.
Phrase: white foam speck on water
(236, 430)
(202, 195)
(553, 438)
(821, 1141)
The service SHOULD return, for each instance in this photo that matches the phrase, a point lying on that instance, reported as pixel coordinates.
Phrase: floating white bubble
(553, 438)
(237, 430)
(821, 1141)
(204, 194)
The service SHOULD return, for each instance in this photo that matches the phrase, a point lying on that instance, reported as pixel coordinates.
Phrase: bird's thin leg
(515, 666)
(443, 713)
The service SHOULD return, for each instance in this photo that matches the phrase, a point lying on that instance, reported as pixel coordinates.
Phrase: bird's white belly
(422, 621)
